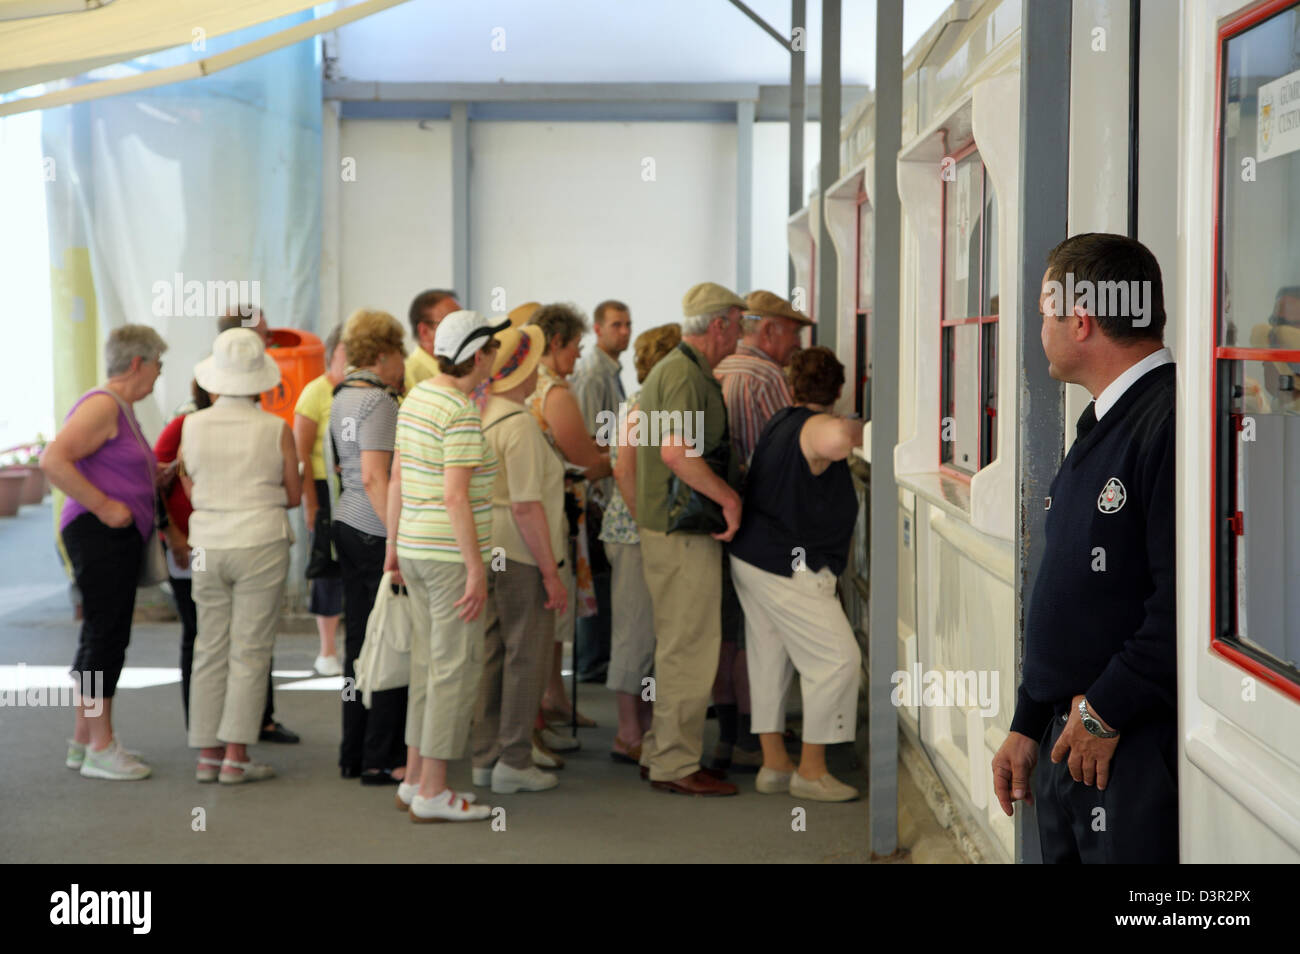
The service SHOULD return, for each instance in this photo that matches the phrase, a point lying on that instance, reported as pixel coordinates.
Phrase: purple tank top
(121, 468)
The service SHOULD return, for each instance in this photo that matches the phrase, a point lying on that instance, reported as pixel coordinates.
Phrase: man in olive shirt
(683, 570)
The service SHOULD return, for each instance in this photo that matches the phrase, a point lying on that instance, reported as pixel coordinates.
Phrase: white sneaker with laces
(446, 807)
(507, 780)
(559, 743)
(328, 666)
(113, 763)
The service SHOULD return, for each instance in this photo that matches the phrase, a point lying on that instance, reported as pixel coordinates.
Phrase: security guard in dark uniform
(1096, 717)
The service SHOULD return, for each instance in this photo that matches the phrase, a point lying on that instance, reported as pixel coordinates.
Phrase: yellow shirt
(314, 404)
(419, 365)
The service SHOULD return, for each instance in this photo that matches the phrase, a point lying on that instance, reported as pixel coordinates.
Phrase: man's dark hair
(608, 305)
(423, 303)
(1103, 257)
(234, 318)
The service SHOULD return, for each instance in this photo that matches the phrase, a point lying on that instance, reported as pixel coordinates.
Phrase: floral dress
(586, 588)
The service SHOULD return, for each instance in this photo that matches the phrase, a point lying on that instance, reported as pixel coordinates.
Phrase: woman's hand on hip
(114, 513)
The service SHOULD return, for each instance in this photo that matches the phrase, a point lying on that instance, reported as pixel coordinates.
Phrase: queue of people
(475, 472)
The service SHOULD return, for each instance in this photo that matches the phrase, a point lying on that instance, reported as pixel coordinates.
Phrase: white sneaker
(113, 763)
(826, 789)
(446, 807)
(407, 792)
(482, 777)
(507, 780)
(77, 753)
(328, 666)
(559, 743)
(237, 773)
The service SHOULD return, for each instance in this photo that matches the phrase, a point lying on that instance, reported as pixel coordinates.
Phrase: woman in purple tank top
(102, 462)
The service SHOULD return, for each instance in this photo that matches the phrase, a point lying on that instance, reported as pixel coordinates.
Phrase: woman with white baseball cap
(439, 541)
(240, 470)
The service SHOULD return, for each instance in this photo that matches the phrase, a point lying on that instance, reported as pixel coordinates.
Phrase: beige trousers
(238, 594)
(446, 659)
(683, 572)
(632, 630)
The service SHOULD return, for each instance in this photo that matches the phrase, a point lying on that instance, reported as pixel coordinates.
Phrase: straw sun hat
(521, 350)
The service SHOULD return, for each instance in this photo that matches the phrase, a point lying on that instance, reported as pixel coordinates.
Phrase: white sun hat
(462, 333)
(238, 365)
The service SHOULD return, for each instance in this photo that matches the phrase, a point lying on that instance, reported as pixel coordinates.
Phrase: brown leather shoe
(645, 773)
(697, 783)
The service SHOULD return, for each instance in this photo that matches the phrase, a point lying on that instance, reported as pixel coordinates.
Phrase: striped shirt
(754, 388)
(439, 427)
(361, 419)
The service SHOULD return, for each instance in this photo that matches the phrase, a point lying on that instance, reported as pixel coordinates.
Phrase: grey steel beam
(744, 193)
(1044, 179)
(460, 201)
(828, 265)
(798, 27)
(882, 639)
(541, 92)
(762, 23)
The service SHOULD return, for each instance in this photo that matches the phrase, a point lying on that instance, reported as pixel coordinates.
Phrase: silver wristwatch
(1091, 724)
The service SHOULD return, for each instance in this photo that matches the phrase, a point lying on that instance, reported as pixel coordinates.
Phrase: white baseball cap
(462, 333)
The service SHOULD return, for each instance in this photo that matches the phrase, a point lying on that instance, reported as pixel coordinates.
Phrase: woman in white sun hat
(240, 469)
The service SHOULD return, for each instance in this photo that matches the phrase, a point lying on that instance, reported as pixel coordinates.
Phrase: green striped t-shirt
(439, 427)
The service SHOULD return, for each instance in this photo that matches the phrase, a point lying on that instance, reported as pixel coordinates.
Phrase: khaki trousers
(683, 573)
(238, 594)
(516, 664)
(446, 660)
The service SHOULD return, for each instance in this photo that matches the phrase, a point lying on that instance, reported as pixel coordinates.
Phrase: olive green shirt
(678, 386)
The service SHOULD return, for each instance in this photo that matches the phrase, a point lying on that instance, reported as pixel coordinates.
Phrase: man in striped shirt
(754, 388)
(753, 382)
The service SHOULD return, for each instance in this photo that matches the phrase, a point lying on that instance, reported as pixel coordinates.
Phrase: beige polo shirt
(530, 470)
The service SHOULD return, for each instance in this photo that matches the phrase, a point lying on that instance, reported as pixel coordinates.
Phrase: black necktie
(1087, 421)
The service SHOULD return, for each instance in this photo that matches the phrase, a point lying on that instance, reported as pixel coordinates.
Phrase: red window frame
(944, 322)
(1228, 648)
(863, 356)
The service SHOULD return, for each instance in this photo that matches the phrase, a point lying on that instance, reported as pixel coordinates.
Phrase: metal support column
(882, 647)
(744, 194)
(828, 263)
(1044, 177)
(460, 202)
(799, 44)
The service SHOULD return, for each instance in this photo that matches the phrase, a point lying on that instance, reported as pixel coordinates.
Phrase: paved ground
(601, 812)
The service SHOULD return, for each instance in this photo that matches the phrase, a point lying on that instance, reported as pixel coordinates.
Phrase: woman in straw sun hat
(240, 470)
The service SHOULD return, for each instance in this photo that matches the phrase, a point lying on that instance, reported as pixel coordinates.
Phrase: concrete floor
(601, 811)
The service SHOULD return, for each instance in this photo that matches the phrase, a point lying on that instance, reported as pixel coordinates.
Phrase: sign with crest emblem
(1112, 496)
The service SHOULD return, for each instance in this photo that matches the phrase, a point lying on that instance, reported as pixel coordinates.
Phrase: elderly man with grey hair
(686, 508)
(108, 471)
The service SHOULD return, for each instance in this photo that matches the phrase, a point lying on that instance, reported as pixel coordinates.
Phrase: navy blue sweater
(1101, 620)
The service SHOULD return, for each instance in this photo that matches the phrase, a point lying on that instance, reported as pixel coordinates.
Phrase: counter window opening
(862, 311)
(968, 315)
(1255, 605)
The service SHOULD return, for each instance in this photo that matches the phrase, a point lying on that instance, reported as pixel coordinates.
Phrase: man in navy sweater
(1096, 718)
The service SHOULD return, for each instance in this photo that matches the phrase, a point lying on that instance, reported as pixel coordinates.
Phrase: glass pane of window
(1265, 435)
(960, 427)
(864, 257)
(990, 249)
(961, 240)
(989, 404)
(1259, 279)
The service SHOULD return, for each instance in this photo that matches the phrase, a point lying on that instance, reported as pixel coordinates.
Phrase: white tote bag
(385, 660)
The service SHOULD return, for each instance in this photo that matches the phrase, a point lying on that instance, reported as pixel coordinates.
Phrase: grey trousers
(446, 660)
(516, 663)
(238, 593)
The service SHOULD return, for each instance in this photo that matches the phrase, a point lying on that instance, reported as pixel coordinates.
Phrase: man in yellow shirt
(428, 308)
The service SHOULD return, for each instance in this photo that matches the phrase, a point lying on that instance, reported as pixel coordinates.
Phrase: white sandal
(243, 772)
(207, 769)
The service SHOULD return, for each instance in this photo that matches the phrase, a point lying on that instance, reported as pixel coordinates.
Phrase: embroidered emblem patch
(1112, 496)
(1047, 503)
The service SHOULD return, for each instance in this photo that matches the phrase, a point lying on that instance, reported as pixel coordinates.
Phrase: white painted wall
(395, 218)
(770, 251)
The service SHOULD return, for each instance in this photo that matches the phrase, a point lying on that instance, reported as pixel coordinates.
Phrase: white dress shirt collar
(1115, 390)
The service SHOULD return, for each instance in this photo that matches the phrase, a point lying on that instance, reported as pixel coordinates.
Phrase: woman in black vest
(793, 543)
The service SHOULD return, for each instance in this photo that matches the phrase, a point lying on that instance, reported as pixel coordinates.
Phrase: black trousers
(188, 612)
(373, 738)
(106, 566)
(1134, 821)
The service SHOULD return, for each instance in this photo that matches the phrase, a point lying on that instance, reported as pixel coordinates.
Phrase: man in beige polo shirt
(683, 569)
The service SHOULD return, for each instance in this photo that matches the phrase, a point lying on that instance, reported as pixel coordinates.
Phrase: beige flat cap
(707, 298)
(764, 304)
